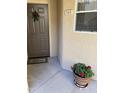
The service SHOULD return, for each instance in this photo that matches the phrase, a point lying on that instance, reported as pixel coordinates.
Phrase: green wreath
(35, 16)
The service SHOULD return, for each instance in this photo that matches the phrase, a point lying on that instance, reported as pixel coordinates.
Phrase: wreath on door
(35, 16)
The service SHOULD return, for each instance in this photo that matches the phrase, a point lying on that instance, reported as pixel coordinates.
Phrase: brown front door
(37, 31)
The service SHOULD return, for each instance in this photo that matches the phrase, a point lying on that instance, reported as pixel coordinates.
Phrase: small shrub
(82, 70)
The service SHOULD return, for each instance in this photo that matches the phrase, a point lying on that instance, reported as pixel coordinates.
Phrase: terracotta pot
(81, 81)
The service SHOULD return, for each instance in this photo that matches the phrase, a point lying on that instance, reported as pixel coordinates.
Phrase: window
(86, 16)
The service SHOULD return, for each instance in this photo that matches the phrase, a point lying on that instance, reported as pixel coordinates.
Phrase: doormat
(37, 60)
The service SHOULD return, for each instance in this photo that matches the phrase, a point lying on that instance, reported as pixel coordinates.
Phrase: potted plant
(82, 74)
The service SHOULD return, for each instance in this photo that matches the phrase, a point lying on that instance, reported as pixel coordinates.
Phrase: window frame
(75, 14)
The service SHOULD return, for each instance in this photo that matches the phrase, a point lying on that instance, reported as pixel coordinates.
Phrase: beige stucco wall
(38, 1)
(60, 29)
(53, 27)
(52, 11)
(75, 47)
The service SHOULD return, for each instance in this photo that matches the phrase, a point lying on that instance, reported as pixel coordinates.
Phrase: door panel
(38, 34)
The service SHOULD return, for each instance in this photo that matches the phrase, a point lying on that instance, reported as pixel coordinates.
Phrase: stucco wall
(52, 11)
(60, 29)
(38, 1)
(53, 27)
(75, 47)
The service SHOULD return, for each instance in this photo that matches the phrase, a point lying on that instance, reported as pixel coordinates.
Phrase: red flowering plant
(82, 70)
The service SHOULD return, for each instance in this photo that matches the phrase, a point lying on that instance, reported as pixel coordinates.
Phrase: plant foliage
(82, 70)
